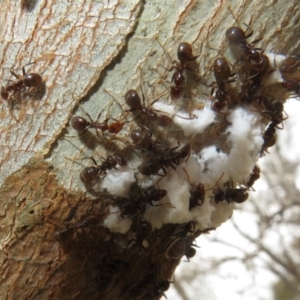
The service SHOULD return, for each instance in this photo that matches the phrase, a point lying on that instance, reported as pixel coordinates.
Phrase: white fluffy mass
(211, 167)
(118, 182)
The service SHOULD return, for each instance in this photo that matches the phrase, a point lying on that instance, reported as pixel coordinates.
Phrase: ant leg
(92, 158)
(14, 74)
(248, 28)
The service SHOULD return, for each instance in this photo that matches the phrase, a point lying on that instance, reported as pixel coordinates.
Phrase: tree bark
(52, 243)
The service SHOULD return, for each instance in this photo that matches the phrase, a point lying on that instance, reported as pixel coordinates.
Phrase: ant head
(184, 52)
(133, 99)
(79, 123)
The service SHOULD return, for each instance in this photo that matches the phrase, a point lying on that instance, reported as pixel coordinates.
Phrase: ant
(232, 195)
(143, 232)
(26, 84)
(89, 174)
(254, 74)
(134, 206)
(290, 64)
(292, 85)
(269, 137)
(237, 39)
(163, 160)
(197, 196)
(133, 100)
(179, 247)
(185, 57)
(143, 139)
(254, 175)
(222, 74)
(81, 125)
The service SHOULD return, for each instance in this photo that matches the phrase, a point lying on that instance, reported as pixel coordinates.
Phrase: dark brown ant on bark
(25, 85)
(81, 125)
(252, 75)
(133, 100)
(253, 64)
(143, 232)
(142, 139)
(90, 174)
(185, 58)
(168, 158)
(222, 74)
(237, 39)
(136, 205)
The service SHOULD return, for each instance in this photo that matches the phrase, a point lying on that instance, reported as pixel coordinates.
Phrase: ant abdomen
(32, 80)
(235, 35)
(89, 174)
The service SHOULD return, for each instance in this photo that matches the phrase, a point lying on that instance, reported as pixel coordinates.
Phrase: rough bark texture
(52, 243)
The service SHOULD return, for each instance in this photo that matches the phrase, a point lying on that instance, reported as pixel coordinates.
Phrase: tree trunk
(53, 244)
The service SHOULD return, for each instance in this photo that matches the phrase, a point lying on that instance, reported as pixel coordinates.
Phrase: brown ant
(222, 74)
(25, 85)
(269, 137)
(292, 85)
(81, 125)
(179, 247)
(165, 159)
(142, 138)
(134, 206)
(90, 174)
(237, 40)
(231, 195)
(142, 233)
(290, 64)
(185, 57)
(133, 100)
(254, 175)
(197, 194)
